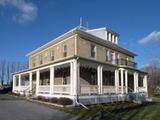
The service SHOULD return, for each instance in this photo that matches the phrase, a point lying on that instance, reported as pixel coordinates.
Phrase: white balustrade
(61, 89)
(44, 89)
(108, 89)
(89, 89)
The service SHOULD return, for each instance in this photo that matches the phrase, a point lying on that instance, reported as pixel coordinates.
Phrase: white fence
(61, 89)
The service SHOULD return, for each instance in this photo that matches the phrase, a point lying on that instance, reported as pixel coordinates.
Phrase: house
(85, 65)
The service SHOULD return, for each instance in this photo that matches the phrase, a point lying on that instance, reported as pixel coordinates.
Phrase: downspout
(77, 96)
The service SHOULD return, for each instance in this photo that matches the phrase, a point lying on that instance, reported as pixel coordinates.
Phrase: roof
(82, 31)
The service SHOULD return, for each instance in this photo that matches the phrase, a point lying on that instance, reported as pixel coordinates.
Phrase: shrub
(41, 98)
(65, 101)
(15, 94)
(53, 100)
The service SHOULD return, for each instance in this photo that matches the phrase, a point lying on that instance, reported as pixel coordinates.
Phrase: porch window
(140, 80)
(52, 55)
(64, 80)
(108, 78)
(17, 81)
(93, 51)
(65, 51)
(93, 78)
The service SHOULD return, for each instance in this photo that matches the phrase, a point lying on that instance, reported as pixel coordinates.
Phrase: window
(34, 62)
(52, 55)
(40, 59)
(93, 78)
(116, 57)
(64, 80)
(140, 80)
(45, 56)
(93, 51)
(65, 51)
(107, 55)
(111, 57)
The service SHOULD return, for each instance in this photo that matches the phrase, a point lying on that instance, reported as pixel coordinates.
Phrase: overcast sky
(26, 24)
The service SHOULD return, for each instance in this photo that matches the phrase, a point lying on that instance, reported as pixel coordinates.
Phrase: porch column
(116, 81)
(30, 81)
(51, 80)
(99, 76)
(109, 36)
(126, 81)
(135, 82)
(37, 81)
(74, 77)
(71, 78)
(122, 81)
(145, 83)
(14, 81)
(19, 82)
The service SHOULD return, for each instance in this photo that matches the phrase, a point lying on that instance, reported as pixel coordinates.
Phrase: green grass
(120, 111)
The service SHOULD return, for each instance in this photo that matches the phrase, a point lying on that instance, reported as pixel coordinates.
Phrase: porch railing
(108, 89)
(88, 89)
(61, 89)
(44, 89)
(141, 89)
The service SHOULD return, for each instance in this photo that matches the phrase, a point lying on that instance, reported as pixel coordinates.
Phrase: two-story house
(85, 65)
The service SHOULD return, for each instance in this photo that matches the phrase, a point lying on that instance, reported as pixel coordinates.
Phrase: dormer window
(93, 51)
(65, 51)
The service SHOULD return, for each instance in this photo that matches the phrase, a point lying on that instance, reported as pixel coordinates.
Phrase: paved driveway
(12, 108)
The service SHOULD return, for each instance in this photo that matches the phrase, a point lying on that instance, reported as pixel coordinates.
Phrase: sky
(27, 24)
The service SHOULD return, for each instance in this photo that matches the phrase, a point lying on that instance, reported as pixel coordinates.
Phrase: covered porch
(79, 77)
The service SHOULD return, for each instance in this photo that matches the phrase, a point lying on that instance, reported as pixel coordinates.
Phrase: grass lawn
(120, 111)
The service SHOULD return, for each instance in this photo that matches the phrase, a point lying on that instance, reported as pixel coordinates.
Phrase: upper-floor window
(45, 56)
(93, 51)
(34, 62)
(107, 55)
(65, 51)
(40, 59)
(52, 55)
(111, 57)
(116, 57)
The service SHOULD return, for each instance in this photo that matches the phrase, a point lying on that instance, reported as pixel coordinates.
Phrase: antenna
(80, 24)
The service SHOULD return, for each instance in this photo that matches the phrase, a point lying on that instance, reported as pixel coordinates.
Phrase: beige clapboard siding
(83, 49)
(58, 52)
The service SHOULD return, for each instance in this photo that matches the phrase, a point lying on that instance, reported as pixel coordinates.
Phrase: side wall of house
(83, 49)
(34, 60)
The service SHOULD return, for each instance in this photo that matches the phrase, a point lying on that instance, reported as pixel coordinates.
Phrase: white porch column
(126, 81)
(51, 80)
(116, 39)
(122, 81)
(135, 82)
(14, 82)
(113, 40)
(99, 78)
(145, 83)
(19, 82)
(116, 81)
(30, 81)
(37, 81)
(74, 77)
(109, 36)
